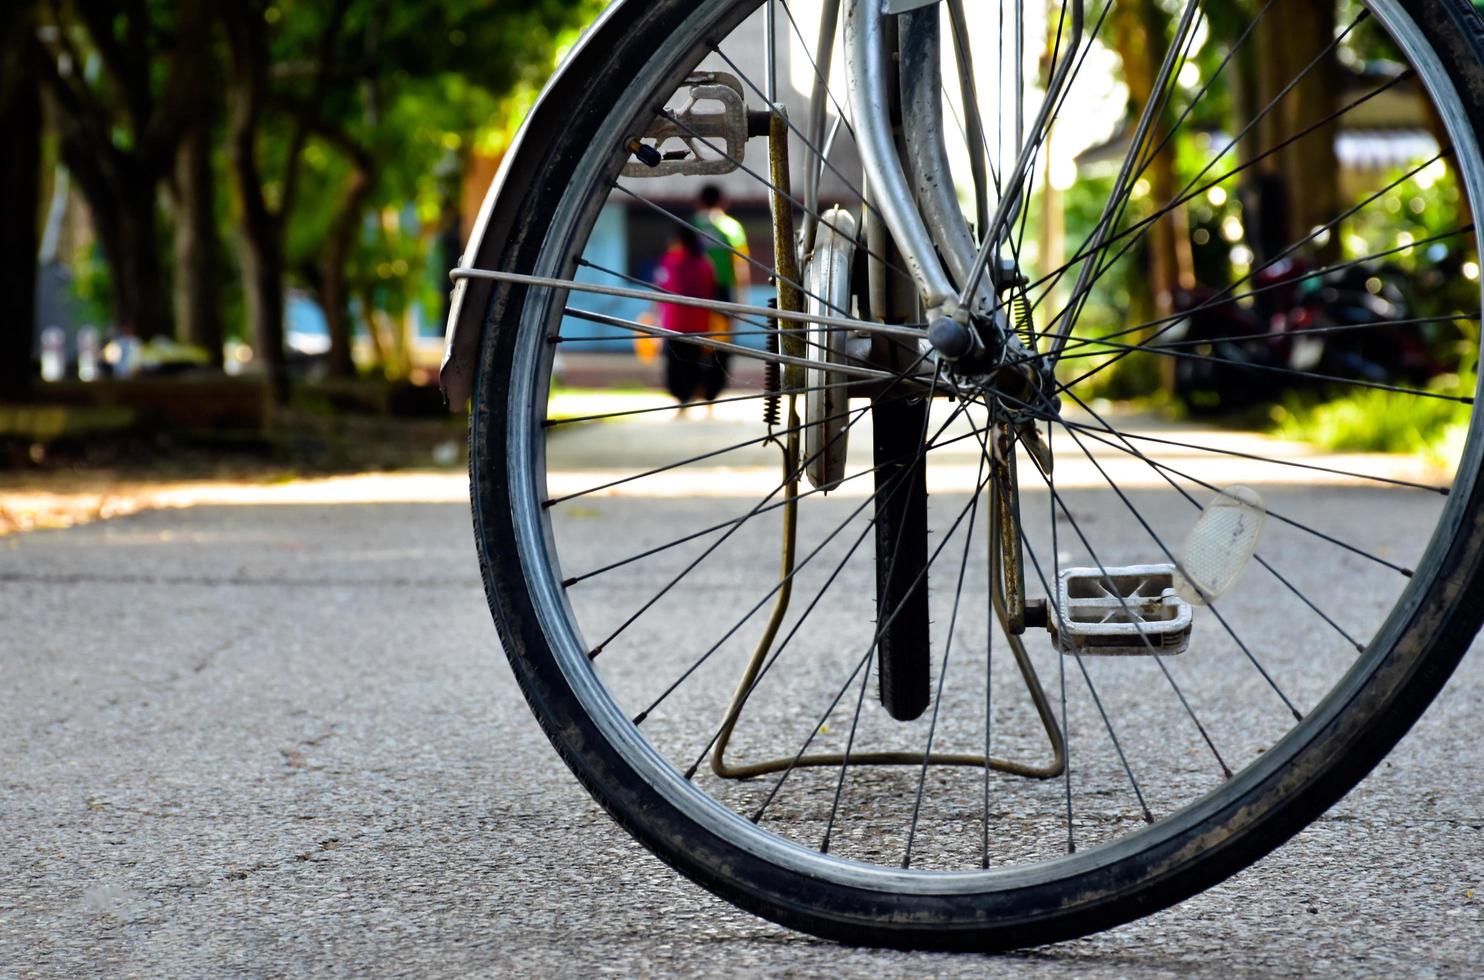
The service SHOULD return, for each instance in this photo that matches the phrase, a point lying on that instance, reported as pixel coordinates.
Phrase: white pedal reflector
(1220, 545)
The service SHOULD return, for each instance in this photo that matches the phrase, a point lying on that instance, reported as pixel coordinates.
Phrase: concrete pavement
(276, 739)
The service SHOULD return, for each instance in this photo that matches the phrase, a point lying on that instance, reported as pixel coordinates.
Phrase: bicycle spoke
(798, 624)
(716, 241)
(729, 400)
(784, 581)
(648, 553)
(909, 332)
(819, 154)
(1055, 113)
(1129, 505)
(751, 514)
(1123, 184)
(833, 367)
(840, 111)
(1330, 379)
(1174, 129)
(1299, 525)
(1324, 229)
(728, 335)
(1236, 454)
(1063, 650)
(860, 699)
(1289, 334)
(1190, 192)
(1061, 635)
(1105, 340)
(1195, 99)
(699, 457)
(1125, 437)
(774, 188)
(870, 650)
(958, 592)
(1237, 139)
(1225, 295)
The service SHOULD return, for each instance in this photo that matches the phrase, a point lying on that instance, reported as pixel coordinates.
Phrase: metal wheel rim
(530, 378)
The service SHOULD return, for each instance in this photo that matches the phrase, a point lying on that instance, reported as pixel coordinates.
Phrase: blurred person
(685, 270)
(726, 246)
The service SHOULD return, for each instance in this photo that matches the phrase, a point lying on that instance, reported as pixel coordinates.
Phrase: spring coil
(1025, 326)
(771, 373)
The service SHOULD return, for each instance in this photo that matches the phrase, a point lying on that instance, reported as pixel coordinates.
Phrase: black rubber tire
(1258, 810)
(903, 651)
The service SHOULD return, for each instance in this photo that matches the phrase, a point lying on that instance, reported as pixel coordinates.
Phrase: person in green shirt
(726, 247)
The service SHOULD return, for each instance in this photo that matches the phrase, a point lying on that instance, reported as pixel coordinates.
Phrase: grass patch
(1376, 421)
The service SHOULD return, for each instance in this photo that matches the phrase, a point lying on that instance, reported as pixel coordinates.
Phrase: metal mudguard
(527, 154)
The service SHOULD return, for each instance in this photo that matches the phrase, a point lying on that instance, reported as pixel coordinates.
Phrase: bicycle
(1024, 768)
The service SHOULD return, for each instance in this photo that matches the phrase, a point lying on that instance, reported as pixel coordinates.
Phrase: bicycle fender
(527, 154)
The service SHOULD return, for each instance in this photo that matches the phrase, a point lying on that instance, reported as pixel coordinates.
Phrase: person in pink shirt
(685, 270)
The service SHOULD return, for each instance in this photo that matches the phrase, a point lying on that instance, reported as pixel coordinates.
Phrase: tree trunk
(20, 175)
(334, 287)
(120, 177)
(334, 296)
(132, 244)
(1142, 38)
(373, 329)
(197, 253)
(262, 277)
(1304, 175)
(262, 231)
(122, 204)
(264, 227)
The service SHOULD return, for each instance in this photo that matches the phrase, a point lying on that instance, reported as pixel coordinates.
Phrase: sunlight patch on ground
(586, 456)
(28, 510)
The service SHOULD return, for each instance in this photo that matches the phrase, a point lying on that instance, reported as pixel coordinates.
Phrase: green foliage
(91, 284)
(424, 87)
(1419, 222)
(1378, 421)
(375, 107)
(1372, 420)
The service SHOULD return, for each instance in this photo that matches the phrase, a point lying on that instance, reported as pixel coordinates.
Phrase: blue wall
(609, 248)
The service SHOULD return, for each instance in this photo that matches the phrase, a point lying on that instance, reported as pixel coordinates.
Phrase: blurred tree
(123, 82)
(198, 300)
(20, 163)
(1295, 190)
(267, 196)
(1142, 35)
(345, 111)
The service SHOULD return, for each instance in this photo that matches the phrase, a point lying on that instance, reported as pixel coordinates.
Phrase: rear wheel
(1011, 790)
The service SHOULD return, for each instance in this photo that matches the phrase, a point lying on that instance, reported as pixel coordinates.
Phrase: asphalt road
(280, 739)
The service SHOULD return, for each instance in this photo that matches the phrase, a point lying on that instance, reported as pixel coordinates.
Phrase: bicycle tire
(1261, 807)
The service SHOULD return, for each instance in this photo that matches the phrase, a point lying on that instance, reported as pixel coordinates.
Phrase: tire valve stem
(771, 373)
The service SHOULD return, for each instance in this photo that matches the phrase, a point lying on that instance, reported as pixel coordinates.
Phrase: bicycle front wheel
(1016, 784)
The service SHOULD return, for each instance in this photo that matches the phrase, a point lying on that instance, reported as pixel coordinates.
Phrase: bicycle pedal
(1121, 612)
(701, 143)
